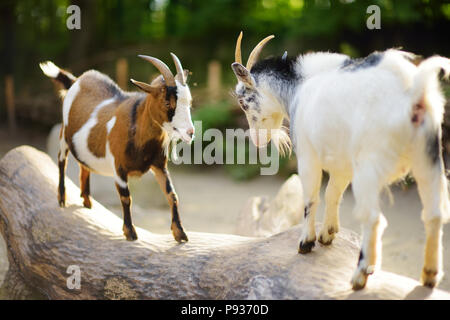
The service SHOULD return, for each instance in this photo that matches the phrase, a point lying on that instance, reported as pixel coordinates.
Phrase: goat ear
(186, 73)
(243, 75)
(145, 86)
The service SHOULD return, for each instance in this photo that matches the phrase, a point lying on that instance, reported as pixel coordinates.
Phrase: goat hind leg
(366, 188)
(432, 187)
(85, 186)
(62, 163)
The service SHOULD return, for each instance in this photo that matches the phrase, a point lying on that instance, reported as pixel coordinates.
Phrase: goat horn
(237, 53)
(163, 68)
(180, 73)
(256, 51)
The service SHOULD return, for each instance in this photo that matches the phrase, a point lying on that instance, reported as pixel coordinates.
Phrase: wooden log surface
(43, 240)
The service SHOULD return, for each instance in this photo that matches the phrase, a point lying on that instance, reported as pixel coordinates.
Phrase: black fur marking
(116, 92)
(361, 256)
(433, 148)
(170, 114)
(175, 215)
(308, 209)
(134, 110)
(241, 91)
(124, 192)
(280, 68)
(171, 92)
(251, 98)
(306, 247)
(142, 158)
(371, 60)
(64, 79)
(62, 167)
(168, 186)
(122, 174)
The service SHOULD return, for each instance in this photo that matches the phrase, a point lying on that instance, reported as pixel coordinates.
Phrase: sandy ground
(210, 202)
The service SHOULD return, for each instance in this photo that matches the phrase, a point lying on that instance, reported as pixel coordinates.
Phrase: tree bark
(43, 240)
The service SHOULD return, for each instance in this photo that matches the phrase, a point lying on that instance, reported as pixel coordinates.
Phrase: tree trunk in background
(82, 39)
(46, 244)
(7, 24)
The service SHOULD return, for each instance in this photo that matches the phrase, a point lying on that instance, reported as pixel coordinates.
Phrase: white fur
(312, 64)
(356, 122)
(357, 126)
(110, 124)
(104, 166)
(68, 100)
(181, 122)
(49, 69)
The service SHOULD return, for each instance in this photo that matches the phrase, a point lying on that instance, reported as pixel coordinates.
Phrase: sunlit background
(203, 34)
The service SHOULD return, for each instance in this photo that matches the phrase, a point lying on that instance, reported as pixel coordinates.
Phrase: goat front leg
(125, 198)
(333, 195)
(310, 175)
(165, 183)
(85, 186)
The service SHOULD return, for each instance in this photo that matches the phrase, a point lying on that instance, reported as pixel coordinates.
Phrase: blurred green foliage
(199, 31)
(215, 115)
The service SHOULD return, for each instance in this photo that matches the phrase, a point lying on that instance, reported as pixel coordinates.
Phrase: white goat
(367, 121)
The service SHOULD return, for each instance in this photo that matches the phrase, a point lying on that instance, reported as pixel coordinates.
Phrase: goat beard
(282, 141)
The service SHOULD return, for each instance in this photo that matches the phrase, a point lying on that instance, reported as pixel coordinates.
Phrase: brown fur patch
(91, 95)
(97, 136)
(137, 147)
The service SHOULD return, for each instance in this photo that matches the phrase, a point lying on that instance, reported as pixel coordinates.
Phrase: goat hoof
(62, 200)
(306, 246)
(359, 280)
(130, 233)
(325, 242)
(429, 278)
(87, 203)
(179, 234)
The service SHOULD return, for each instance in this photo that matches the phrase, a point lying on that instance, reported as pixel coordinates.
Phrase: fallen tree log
(44, 241)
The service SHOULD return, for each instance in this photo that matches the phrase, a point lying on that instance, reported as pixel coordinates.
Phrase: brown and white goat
(116, 133)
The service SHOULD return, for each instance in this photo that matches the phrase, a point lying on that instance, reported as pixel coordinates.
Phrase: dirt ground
(210, 202)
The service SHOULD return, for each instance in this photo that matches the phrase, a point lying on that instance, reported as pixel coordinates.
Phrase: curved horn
(163, 68)
(256, 51)
(237, 53)
(180, 73)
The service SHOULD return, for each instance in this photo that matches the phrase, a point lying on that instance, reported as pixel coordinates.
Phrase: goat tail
(54, 72)
(426, 77)
(427, 96)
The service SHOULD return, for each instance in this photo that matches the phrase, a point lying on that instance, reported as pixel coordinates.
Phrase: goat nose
(190, 132)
